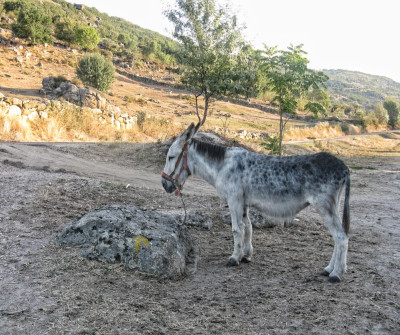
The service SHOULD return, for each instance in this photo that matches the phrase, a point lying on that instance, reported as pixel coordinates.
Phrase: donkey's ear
(189, 132)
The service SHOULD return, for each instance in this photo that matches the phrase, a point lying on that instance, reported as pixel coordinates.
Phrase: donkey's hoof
(325, 273)
(246, 260)
(232, 262)
(334, 279)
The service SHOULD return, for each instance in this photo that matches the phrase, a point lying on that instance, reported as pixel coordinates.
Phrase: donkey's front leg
(248, 232)
(236, 210)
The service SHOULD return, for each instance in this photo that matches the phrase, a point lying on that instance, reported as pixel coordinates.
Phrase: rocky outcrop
(141, 240)
(87, 97)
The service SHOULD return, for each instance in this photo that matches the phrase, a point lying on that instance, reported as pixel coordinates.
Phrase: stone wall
(63, 94)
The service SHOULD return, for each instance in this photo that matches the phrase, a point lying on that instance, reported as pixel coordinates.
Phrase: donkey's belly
(281, 208)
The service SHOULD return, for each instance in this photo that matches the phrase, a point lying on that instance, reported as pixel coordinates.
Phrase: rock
(2, 96)
(89, 97)
(28, 104)
(41, 107)
(14, 111)
(71, 93)
(140, 240)
(48, 84)
(43, 115)
(33, 116)
(17, 102)
(193, 218)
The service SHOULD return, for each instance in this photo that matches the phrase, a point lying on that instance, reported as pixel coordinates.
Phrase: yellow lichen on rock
(139, 240)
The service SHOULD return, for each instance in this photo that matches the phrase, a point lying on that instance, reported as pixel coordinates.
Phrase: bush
(97, 71)
(34, 23)
(65, 30)
(87, 37)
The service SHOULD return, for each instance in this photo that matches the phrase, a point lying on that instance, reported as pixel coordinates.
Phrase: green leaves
(211, 41)
(392, 108)
(288, 76)
(97, 71)
(33, 22)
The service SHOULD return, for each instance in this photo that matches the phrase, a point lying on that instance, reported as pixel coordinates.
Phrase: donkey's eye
(172, 157)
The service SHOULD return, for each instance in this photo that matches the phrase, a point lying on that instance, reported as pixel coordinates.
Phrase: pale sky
(357, 35)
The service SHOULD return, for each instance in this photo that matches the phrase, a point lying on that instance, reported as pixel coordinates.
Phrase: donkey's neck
(203, 166)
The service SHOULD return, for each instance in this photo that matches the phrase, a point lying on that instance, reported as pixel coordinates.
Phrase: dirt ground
(47, 289)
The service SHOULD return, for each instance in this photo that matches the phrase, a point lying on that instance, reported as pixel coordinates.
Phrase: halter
(184, 167)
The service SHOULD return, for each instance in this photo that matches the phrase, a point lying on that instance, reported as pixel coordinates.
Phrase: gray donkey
(279, 186)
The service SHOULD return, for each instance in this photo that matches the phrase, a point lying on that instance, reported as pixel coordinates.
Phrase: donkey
(278, 186)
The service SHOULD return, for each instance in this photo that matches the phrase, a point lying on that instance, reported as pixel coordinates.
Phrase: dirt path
(344, 137)
(48, 289)
(84, 160)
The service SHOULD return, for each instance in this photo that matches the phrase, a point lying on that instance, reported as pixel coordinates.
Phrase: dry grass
(72, 123)
(373, 145)
(321, 130)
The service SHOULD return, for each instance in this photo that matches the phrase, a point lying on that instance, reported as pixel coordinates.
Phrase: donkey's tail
(346, 209)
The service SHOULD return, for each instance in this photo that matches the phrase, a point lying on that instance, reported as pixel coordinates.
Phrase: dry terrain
(47, 289)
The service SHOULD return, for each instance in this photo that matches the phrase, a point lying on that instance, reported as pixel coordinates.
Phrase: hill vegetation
(356, 88)
(149, 80)
(64, 22)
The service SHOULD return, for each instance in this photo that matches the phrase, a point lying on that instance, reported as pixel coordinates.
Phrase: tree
(392, 108)
(288, 76)
(381, 114)
(32, 22)
(95, 70)
(87, 37)
(210, 40)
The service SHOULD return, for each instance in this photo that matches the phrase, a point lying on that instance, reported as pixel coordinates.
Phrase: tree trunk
(280, 131)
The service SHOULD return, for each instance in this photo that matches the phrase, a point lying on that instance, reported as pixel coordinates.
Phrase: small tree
(210, 40)
(392, 108)
(289, 78)
(97, 71)
(87, 37)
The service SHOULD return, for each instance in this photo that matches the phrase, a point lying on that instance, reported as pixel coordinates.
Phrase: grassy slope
(366, 90)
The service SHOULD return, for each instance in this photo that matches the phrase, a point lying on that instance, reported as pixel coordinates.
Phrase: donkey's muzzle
(168, 185)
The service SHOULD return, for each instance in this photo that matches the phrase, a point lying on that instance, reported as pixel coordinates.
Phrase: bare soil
(47, 289)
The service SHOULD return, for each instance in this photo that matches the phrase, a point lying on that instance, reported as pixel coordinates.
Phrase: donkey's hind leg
(337, 265)
(236, 209)
(248, 232)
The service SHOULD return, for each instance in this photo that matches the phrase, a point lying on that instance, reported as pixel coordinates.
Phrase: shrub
(97, 71)
(33, 22)
(65, 29)
(87, 37)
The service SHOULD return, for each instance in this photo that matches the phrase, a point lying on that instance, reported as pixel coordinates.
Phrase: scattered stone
(33, 116)
(41, 107)
(141, 240)
(29, 104)
(14, 111)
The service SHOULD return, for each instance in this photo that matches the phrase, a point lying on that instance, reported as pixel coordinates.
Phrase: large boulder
(142, 240)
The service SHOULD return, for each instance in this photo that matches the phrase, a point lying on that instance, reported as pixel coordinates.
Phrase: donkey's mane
(212, 151)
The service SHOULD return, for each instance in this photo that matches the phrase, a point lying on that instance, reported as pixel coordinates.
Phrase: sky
(356, 35)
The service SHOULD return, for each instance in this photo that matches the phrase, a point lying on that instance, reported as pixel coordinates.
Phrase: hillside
(356, 88)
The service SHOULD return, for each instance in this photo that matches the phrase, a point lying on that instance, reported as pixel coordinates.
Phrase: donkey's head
(176, 169)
